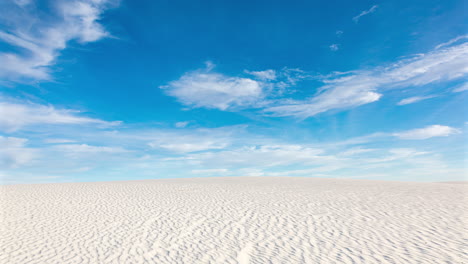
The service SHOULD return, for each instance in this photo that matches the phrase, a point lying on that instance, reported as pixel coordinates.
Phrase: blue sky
(97, 90)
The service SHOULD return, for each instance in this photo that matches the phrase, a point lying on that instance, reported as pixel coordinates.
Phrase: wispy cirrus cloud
(58, 140)
(40, 40)
(268, 90)
(452, 41)
(355, 88)
(187, 146)
(77, 150)
(414, 99)
(259, 156)
(223, 150)
(461, 88)
(365, 12)
(192, 140)
(428, 132)
(263, 75)
(16, 115)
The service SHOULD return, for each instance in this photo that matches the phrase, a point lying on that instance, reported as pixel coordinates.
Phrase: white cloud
(209, 89)
(396, 154)
(220, 151)
(263, 75)
(85, 150)
(22, 2)
(58, 141)
(339, 33)
(334, 47)
(191, 140)
(365, 12)
(185, 147)
(181, 124)
(204, 88)
(260, 156)
(277, 160)
(14, 116)
(355, 88)
(439, 65)
(335, 97)
(355, 151)
(13, 152)
(428, 132)
(414, 99)
(450, 42)
(42, 38)
(461, 88)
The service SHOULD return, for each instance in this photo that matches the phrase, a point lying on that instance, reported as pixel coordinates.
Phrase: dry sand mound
(234, 220)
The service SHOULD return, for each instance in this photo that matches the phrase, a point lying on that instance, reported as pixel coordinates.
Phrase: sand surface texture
(234, 220)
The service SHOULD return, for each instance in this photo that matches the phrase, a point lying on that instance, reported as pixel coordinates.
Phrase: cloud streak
(427, 132)
(414, 99)
(17, 115)
(365, 12)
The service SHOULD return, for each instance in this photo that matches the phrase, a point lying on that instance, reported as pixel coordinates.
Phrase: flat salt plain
(234, 220)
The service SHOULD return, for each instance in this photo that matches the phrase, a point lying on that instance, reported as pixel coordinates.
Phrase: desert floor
(234, 220)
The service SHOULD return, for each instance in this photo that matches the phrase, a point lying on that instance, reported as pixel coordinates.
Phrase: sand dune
(234, 220)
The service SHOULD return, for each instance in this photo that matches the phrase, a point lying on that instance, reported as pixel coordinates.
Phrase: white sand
(234, 220)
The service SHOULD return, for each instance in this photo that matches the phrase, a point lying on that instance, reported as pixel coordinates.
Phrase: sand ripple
(234, 220)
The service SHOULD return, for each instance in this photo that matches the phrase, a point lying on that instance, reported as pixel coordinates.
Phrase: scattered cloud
(221, 151)
(41, 40)
(355, 88)
(260, 156)
(414, 99)
(15, 115)
(208, 89)
(365, 12)
(428, 132)
(334, 47)
(14, 152)
(340, 90)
